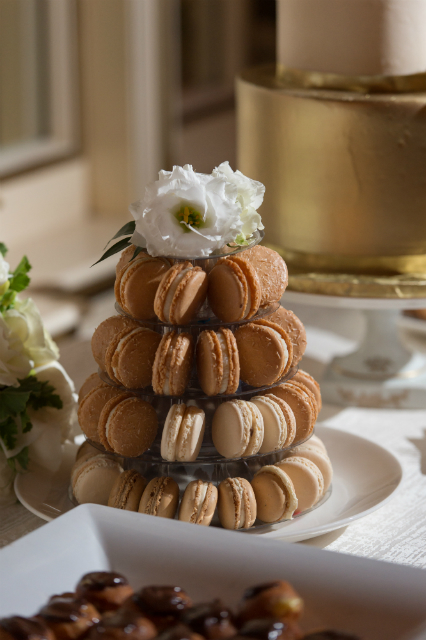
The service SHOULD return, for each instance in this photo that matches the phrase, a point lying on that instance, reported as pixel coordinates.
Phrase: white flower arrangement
(189, 214)
(37, 400)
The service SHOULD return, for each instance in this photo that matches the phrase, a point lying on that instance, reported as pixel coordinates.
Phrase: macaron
(306, 478)
(90, 383)
(86, 451)
(90, 409)
(271, 270)
(236, 504)
(127, 491)
(275, 494)
(125, 258)
(130, 357)
(237, 429)
(265, 352)
(172, 364)
(278, 421)
(320, 458)
(198, 503)
(180, 293)
(136, 285)
(105, 332)
(127, 425)
(160, 498)
(301, 405)
(218, 364)
(234, 291)
(294, 329)
(182, 433)
(93, 480)
(314, 441)
(311, 384)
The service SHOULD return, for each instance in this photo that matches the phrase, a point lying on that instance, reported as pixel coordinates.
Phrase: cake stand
(381, 372)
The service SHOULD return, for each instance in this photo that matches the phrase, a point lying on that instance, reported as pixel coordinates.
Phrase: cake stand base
(381, 372)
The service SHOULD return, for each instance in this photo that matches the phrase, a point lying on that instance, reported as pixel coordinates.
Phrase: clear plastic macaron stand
(209, 466)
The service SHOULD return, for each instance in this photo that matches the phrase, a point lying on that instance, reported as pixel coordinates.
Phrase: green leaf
(41, 393)
(13, 401)
(20, 461)
(136, 253)
(3, 249)
(26, 423)
(23, 267)
(116, 248)
(9, 432)
(126, 230)
(20, 280)
(7, 300)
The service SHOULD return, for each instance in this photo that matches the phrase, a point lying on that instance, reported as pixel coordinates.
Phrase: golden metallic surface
(349, 285)
(345, 175)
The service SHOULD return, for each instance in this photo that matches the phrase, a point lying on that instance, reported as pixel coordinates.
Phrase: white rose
(14, 361)
(4, 272)
(250, 196)
(25, 322)
(187, 214)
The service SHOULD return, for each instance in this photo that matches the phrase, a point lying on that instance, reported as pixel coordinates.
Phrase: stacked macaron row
(148, 287)
(276, 493)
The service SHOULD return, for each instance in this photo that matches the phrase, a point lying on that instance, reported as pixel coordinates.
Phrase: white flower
(187, 214)
(14, 362)
(24, 321)
(250, 196)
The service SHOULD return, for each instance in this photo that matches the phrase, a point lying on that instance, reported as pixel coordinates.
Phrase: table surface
(397, 531)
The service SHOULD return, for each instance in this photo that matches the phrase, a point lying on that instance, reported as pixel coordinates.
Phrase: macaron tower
(198, 409)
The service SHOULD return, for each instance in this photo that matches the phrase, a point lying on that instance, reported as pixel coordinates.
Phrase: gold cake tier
(345, 173)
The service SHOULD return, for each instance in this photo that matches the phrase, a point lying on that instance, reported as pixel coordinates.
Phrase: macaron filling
(225, 361)
(122, 343)
(284, 344)
(171, 292)
(200, 496)
(248, 305)
(109, 421)
(166, 386)
(242, 514)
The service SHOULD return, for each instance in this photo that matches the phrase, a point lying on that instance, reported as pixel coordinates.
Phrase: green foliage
(18, 281)
(116, 248)
(20, 461)
(3, 249)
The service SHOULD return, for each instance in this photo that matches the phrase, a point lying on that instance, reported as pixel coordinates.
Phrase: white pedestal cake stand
(382, 372)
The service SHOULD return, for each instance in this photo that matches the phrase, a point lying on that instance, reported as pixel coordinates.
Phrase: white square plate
(377, 600)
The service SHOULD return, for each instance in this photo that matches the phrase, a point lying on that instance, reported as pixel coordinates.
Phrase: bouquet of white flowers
(37, 400)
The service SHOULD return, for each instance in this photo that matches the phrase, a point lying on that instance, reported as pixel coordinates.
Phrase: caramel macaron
(93, 479)
(271, 270)
(160, 498)
(320, 458)
(136, 285)
(105, 332)
(125, 257)
(127, 425)
(130, 357)
(237, 504)
(275, 494)
(218, 364)
(278, 420)
(294, 329)
(183, 433)
(127, 491)
(198, 503)
(311, 384)
(90, 383)
(234, 290)
(90, 409)
(172, 364)
(265, 352)
(237, 429)
(301, 405)
(308, 393)
(181, 293)
(307, 480)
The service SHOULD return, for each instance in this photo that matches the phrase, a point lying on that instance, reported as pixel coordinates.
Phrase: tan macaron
(105, 332)
(127, 491)
(172, 364)
(306, 478)
(136, 285)
(274, 422)
(183, 433)
(91, 407)
(275, 495)
(271, 270)
(160, 498)
(302, 408)
(237, 429)
(237, 504)
(90, 383)
(86, 451)
(198, 503)
(308, 393)
(320, 458)
(125, 258)
(181, 293)
(130, 357)
(294, 329)
(218, 365)
(234, 290)
(265, 352)
(311, 383)
(93, 479)
(127, 425)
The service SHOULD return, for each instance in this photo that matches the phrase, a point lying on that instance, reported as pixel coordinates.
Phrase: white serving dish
(377, 600)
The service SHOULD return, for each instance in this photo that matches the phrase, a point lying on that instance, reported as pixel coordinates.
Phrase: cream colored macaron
(318, 457)
(183, 433)
(237, 429)
(307, 480)
(181, 293)
(237, 504)
(93, 479)
(198, 503)
(275, 494)
(274, 422)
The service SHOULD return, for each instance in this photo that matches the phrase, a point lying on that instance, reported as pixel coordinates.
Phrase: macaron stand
(209, 465)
